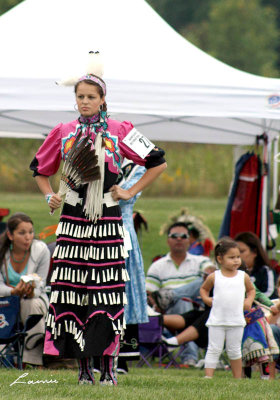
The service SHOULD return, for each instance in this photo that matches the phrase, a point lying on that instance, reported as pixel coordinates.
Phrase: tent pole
(266, 155)
(275, 171)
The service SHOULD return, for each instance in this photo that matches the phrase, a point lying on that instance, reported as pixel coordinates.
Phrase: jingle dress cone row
(86, 313)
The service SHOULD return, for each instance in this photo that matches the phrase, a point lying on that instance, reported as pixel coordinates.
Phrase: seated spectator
(257, 263)
(196, 246)
(24, 258)
(176, 269)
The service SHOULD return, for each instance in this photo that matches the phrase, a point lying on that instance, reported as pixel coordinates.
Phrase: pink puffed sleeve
(153, 159)
(48, 157)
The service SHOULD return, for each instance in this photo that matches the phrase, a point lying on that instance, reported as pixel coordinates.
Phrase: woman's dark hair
(12, 224)
(254, 243)
(223, 246)
(182, 224)
(99, 88)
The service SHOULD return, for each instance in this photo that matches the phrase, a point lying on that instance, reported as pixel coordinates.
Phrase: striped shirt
(163, 273)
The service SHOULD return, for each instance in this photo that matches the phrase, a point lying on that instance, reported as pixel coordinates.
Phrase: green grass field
(156, 210)
(140, 383)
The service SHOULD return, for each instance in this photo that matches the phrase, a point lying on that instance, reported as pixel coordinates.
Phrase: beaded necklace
(18, 261)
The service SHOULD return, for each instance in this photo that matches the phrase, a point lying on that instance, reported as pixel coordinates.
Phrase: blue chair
(12, 333)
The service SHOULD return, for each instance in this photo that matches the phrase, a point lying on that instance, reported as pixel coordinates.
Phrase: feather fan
(80, 166)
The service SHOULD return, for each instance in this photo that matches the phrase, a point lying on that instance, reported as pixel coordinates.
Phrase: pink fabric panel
(114, 348)
(49, 154)
(49, 347)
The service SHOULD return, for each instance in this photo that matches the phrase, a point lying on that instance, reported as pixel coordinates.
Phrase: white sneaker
(190, 363)
(200, 364)
(265, 377)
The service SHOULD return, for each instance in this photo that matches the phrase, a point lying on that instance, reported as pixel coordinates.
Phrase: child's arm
(250, 292)
(262, 298)
(205, 289)
(275, 308)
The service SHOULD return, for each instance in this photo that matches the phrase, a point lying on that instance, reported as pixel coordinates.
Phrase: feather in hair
(95, 64)
(70, 81)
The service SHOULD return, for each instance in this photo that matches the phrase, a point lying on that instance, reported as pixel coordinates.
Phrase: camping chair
(150, 338)
(12, 334)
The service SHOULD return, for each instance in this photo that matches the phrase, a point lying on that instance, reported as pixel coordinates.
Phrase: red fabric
(4, 212)
(246, 210)
(275, 265)
(208, 246)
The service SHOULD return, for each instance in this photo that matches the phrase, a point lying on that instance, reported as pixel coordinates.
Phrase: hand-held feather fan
(80, 166)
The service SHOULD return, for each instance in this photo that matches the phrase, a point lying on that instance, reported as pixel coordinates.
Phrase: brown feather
(80, 165)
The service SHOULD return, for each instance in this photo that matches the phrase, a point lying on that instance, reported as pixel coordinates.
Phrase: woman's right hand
(19, 289)
(55, 201)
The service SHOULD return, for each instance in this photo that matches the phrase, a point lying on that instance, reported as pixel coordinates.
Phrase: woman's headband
(95, 79)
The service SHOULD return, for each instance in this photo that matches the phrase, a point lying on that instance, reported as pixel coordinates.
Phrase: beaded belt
(73, 199)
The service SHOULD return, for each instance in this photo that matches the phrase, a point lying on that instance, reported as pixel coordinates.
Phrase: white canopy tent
(168, 88)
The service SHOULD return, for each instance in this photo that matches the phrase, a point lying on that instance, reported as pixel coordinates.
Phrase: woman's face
(247, 255)
(88, 99)
(22, 236)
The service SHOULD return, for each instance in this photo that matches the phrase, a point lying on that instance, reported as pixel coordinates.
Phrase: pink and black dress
(86, 312)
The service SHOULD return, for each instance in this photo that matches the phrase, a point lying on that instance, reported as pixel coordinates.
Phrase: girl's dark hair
(223, 246)
(99, 88)
(12, 224)
(254, 243)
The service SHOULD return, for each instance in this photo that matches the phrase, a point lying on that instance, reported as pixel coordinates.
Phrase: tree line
(241, 33)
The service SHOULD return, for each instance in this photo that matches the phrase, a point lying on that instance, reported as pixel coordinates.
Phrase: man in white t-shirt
(178, 267)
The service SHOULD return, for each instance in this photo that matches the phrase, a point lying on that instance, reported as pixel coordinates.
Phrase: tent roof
(155, 78)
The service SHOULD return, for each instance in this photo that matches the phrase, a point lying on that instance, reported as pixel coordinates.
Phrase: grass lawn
(140, 383)
(156, 211)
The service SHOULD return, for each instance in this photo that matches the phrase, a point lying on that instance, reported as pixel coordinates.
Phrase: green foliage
(241, 33)
(179, 13)
(15, 157)
(188, 173)
(5, 5)
(244, 35)
(194, 170)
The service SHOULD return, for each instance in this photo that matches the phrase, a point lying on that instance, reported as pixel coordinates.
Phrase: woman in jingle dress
(86, 313)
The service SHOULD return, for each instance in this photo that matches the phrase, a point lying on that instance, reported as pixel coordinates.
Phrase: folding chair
(12, 334)
(150, 338)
